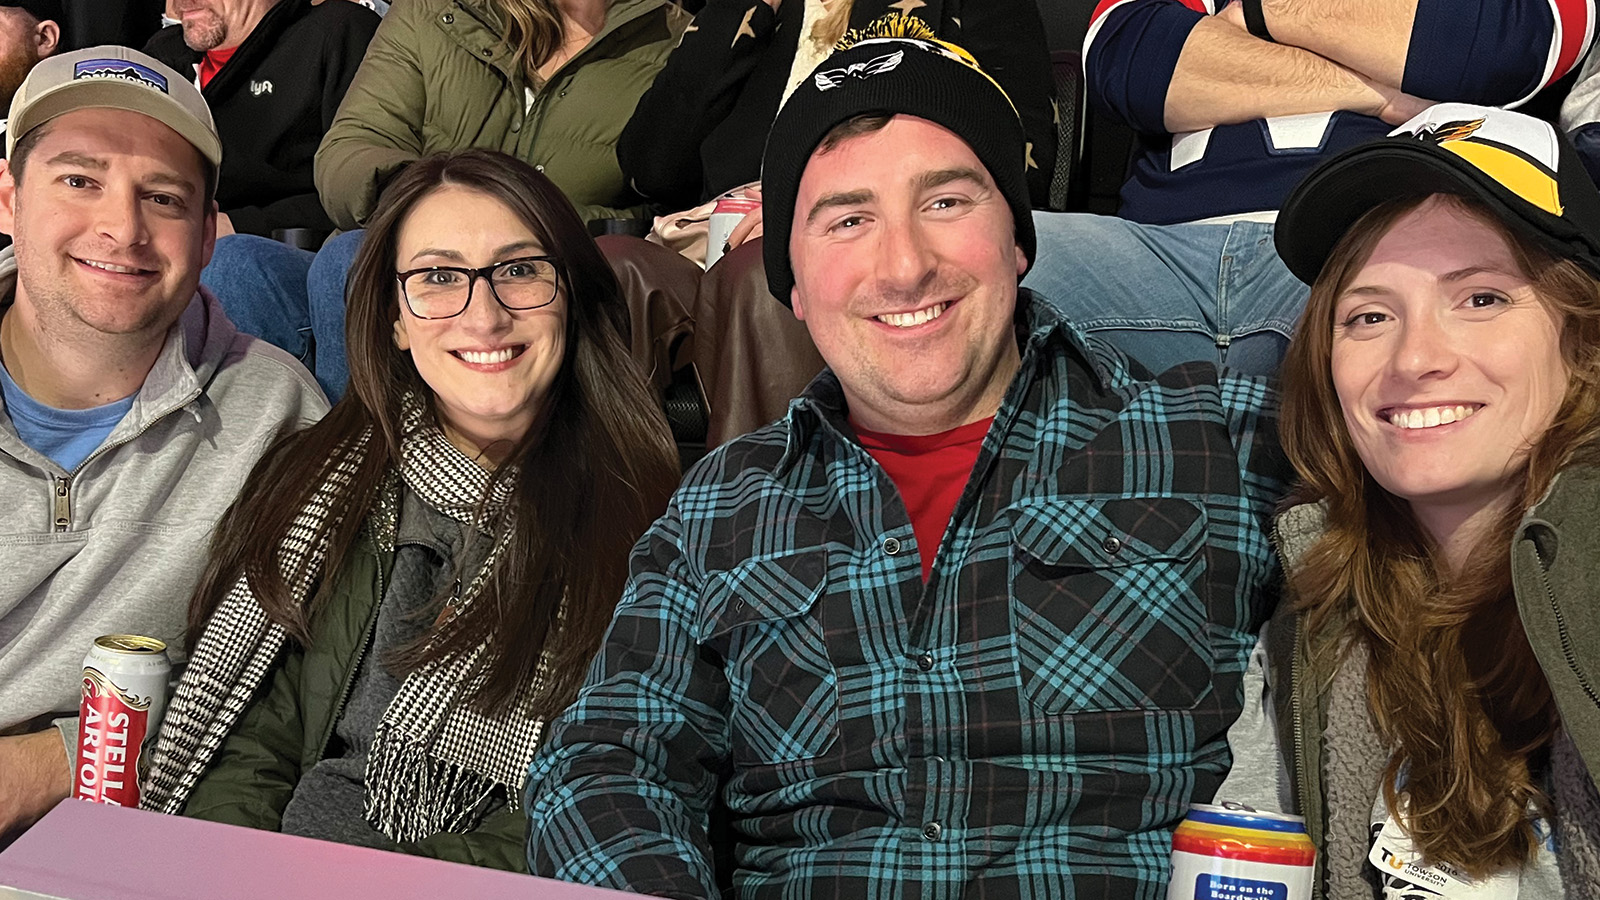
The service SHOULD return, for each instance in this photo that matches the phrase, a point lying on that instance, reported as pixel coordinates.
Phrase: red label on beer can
(124, 693)
(111, 731)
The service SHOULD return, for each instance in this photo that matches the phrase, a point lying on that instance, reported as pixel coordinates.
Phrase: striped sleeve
(1130, 52)
(1498, 52)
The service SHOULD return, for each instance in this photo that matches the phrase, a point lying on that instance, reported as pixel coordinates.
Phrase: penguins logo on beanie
(895, 67)
(832, 78)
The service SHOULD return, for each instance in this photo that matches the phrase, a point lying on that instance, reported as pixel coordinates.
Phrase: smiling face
(1446, 362)
(906, 267)
(490, 368)
(110, 225)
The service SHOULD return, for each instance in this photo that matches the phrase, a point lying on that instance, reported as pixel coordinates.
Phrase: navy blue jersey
(1495, 52)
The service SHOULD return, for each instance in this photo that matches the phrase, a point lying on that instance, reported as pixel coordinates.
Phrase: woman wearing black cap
(1435, 669)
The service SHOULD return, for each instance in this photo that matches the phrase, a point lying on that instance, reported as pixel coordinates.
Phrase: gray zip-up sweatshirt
(118, 544)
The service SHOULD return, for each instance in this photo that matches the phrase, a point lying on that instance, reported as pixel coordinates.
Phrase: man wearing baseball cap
(971, 620)
(130, 408)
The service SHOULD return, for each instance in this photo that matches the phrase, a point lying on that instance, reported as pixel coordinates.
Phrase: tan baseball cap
(113, 77)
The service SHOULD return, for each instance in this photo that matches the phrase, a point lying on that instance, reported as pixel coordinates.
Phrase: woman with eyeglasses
(405, 591)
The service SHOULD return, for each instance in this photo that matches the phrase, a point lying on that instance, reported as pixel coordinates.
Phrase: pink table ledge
(89, 851)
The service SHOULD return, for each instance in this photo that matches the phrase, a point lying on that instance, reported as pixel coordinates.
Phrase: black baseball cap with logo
(1522, 168)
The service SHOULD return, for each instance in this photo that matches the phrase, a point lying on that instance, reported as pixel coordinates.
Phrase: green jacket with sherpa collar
(1555, 572)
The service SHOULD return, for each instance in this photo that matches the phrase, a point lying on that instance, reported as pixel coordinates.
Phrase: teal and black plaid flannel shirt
(1031, 723)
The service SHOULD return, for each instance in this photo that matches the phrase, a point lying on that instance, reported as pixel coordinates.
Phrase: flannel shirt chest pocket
(761, 617)
(1106, 608)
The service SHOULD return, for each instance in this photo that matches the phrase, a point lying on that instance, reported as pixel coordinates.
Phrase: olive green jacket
(1555, 572)
(438, 76)
(288, 726)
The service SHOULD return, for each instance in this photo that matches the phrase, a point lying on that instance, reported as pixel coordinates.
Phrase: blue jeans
(288, 297)
(1170, 294)
(325, 284)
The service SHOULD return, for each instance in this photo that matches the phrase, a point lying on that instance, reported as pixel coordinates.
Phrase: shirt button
(538, 168)
(1111, 545)
(891, 546)
(931, 831)
(925, 661)
(488, 52)
(447, 18)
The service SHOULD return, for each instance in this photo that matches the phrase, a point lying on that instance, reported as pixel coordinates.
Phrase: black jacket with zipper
(273, 102)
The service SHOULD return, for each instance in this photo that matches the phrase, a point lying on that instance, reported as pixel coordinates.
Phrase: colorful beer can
(124, 694)
(725, 216)
(1233, 852)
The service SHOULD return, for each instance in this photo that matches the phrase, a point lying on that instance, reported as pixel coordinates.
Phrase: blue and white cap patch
(121, 70)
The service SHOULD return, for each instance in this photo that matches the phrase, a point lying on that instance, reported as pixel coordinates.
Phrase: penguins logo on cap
(831, 78)
(1448, 131)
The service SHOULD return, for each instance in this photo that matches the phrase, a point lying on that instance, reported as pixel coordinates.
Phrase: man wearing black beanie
(973, 618)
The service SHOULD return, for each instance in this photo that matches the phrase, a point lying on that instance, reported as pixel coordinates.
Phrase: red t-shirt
(213, 62)
(930, 471)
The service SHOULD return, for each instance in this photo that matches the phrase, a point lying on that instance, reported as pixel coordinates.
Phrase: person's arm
(659, 149)
(1368, 36)
(1225, 75)
(35, 775)
(1250, 404)
(622, 791)
(1006, 37)
(1495, 52)
(254, 773)
(377, 128)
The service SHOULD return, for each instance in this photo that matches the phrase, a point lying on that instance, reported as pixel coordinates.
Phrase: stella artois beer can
(1233, 852)
(124, 694)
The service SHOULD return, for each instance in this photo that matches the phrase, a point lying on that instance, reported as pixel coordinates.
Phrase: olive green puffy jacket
(438, 76)
(286, 729)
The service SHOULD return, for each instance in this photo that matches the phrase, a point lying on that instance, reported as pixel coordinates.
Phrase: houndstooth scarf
(434, 761)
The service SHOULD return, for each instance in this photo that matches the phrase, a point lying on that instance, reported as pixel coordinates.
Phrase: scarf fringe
(423, 795)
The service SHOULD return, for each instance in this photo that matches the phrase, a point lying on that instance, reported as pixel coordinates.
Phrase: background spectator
(548, 83)
(273, 72)
(701, 127)
(1229, 121)
(30, 30)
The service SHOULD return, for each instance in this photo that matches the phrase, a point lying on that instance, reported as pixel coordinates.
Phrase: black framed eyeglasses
(442, 292)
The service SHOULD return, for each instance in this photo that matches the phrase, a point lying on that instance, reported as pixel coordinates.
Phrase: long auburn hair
(534, 31)
(589, 478)
(1451, 679)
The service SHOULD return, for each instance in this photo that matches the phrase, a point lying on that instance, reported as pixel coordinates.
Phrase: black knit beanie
(922, 77)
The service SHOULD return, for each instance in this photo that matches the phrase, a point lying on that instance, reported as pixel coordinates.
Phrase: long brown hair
(1451, 680)
(534, 30)
(587, 484)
